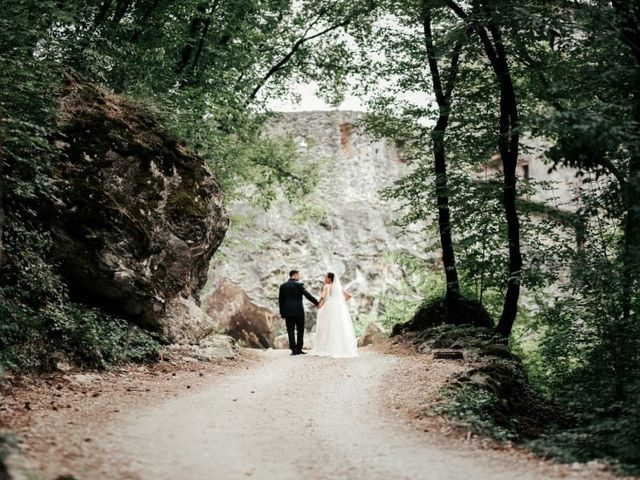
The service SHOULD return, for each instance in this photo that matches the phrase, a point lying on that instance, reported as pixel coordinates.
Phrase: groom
(291, 309)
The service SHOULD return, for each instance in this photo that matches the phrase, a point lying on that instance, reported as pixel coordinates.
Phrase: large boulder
(139, 215)
(235, 314)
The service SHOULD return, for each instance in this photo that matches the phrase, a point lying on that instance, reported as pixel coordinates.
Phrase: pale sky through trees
(310, 101)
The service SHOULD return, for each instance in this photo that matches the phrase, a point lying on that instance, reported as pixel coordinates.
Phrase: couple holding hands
(335, 336)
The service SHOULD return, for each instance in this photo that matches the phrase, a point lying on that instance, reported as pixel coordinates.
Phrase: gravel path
(300, 417)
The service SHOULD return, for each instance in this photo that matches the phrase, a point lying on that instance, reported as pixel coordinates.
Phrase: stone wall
(561, 182)
(352, 232)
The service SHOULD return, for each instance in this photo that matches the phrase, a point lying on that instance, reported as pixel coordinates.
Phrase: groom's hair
(293, 272)
(332, 276)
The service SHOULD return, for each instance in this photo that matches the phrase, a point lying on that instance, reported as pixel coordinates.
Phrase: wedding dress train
(335, 336)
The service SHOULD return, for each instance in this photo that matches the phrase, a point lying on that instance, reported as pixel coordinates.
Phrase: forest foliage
(205, 68)
(508, 80)
(458, 81)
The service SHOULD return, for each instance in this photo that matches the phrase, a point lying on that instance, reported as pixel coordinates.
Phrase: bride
(335, 336)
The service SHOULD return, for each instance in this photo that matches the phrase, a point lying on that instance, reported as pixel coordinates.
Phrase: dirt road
(300, 418)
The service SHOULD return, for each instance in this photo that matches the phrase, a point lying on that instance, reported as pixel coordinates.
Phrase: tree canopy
(459, 83)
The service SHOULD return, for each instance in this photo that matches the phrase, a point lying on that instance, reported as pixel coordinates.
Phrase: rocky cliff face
(139, 215)
(350, 230)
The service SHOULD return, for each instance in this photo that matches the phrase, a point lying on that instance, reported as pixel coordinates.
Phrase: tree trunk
(101, 16)
(142, 21)
(509, 195)
(444, 217)
(186, 53)
(508, 145)
(443, 98)
(631, 245)
(624, 341)
(120, 11)
(1, 199)
(203, 37)
(630, 36)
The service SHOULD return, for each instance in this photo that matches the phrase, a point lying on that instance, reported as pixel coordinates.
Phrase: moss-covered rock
(493, 394)
(466, 337)
(139, 215)
(514, 407)
(437, 312)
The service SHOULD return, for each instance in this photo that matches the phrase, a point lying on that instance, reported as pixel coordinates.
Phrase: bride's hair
(331, 276)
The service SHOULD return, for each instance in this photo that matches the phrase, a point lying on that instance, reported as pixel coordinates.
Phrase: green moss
(436, 312)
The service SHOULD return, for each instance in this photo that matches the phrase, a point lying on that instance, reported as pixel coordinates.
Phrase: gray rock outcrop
(346, 227)
(139, 215)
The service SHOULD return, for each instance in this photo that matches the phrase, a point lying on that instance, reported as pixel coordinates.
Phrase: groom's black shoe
(302, 353)
(294, 353)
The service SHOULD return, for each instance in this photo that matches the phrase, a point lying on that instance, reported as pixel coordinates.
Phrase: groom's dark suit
(291, 309)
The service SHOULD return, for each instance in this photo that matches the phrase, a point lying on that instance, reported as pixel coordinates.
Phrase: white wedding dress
(335, 336)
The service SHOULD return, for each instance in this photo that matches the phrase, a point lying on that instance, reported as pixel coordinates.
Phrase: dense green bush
(611, 435)
(42, 339)
(207, 96)
(588, 362)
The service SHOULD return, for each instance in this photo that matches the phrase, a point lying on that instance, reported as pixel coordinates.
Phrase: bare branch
(300, 42)
(457, 9)
(480, 30)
